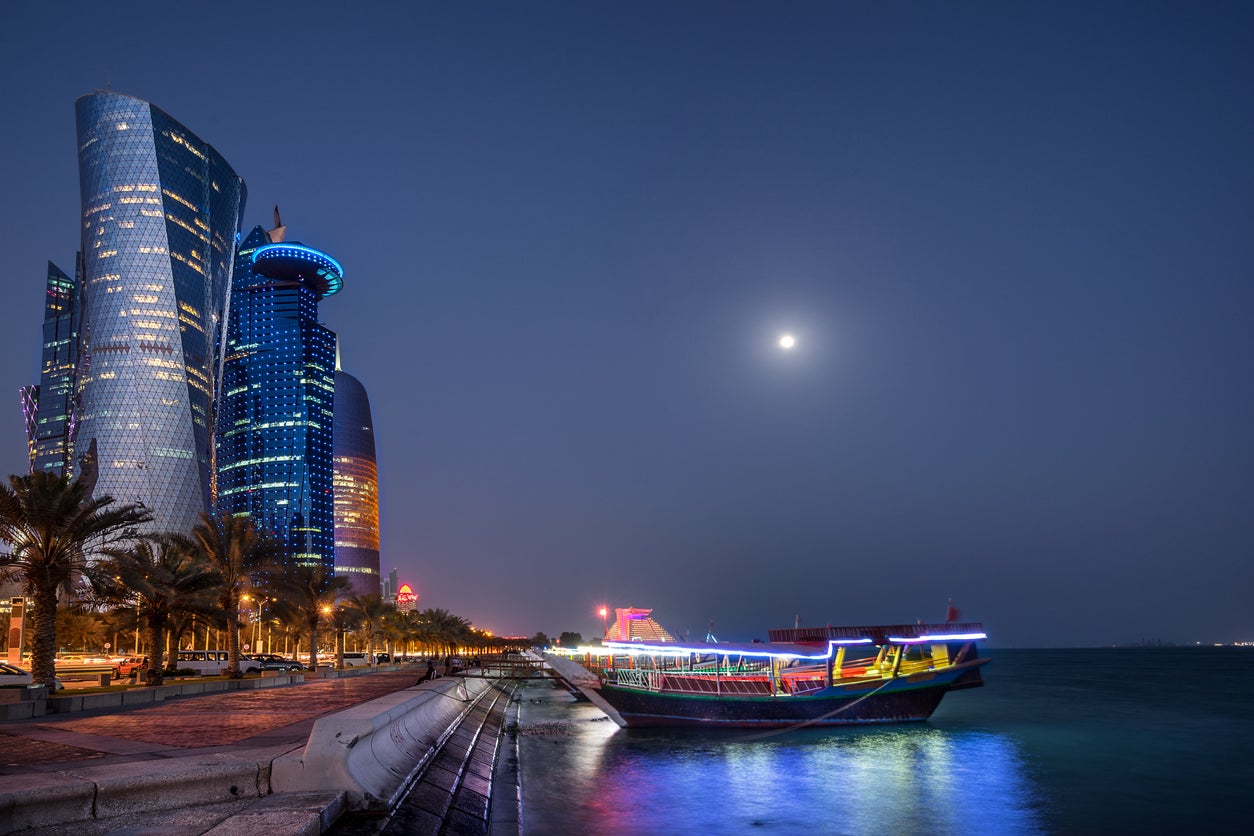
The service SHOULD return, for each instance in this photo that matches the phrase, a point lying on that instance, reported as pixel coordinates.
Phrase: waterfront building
(48, 407)
(406, 599)
(276, 422)
(356, 487)
(632, 624)
(160, 217)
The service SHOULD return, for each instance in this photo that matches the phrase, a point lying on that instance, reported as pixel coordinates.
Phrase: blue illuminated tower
(276, 426)
(160, 216)
(49, 406)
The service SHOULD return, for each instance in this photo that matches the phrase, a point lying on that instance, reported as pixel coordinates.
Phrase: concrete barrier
(67, 702)
(372, 750)
(27, 710)
(187, 782)
(37, 800)
(139, 696)
(83, 793)
(291, 813)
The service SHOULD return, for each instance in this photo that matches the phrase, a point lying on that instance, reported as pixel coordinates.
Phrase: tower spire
(279, 234)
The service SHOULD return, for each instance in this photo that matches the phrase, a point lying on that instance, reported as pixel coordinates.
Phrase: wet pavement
(188, 725)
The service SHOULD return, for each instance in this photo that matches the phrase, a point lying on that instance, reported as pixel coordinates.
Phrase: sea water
(1155, 740)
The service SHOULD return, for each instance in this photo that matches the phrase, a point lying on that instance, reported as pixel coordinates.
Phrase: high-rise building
(356, 487)
(390, 587)
(49, 406)
(160, 217)
(276, 426)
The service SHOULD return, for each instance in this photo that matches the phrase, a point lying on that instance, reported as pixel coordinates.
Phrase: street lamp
(604, 629)
(244, 599)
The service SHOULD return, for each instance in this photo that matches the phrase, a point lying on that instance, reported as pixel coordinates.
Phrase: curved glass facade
(160, 214)
(275, 421)
(356, 487)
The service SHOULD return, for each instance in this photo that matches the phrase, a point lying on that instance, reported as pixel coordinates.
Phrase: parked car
(127, 666)
(13, 675)
(269, 662)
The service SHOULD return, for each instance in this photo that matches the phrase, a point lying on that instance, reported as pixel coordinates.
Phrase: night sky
(1014, 241)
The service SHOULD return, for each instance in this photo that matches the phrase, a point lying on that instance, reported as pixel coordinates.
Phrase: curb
(46, 800)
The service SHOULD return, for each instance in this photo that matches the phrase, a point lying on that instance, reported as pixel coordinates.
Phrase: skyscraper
(49, 406)
(356, 487)
(160, 214)
(275, 425)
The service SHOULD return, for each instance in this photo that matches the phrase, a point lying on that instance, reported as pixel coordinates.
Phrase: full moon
(787, 342)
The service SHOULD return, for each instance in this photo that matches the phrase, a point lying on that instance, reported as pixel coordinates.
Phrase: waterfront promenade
(198, 764)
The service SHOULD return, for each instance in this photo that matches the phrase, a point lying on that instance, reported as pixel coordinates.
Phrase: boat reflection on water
(904, 779)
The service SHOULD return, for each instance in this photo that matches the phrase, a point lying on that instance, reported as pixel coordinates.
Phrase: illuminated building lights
(285, 259)
(147, 385)
(274, 461)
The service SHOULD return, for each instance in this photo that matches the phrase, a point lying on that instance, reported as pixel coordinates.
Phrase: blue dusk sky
(1014, 242)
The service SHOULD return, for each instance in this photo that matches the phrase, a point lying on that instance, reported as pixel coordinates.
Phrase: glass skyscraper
(356, 487)
(160, 215)
(275, 427)
(49, 406)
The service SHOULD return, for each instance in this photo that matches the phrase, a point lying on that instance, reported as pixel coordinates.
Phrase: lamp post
(243, 599)
(326, 611)
(604, 629)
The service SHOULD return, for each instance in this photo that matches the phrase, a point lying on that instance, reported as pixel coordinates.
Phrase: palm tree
(371, 611)
(120, 626)
(308, 593)
(409, 627)
(344, 617)
(79, 629)
(447, 631)
(235, 550)
(50, 523)
(164, 577)
(393, 631)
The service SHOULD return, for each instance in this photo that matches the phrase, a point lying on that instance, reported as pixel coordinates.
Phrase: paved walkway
(194, 725)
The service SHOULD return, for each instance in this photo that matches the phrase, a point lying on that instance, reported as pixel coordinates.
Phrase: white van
(353, 660)
(204, 662)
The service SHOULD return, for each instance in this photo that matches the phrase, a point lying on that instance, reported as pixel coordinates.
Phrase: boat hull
(892, 701)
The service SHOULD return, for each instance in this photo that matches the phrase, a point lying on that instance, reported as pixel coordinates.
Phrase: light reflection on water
(900, 779)
(1068, 741)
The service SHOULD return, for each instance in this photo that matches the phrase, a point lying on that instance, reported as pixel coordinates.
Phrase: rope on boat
(821, 718)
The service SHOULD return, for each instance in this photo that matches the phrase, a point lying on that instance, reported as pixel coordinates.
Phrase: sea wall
(372, 749)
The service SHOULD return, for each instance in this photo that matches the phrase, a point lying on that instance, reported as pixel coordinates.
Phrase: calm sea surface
(1058, 741)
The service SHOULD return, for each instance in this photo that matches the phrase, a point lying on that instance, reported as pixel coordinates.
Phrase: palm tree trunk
(313, 644)
(232, 634)
(43, 640)
(156, 661)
